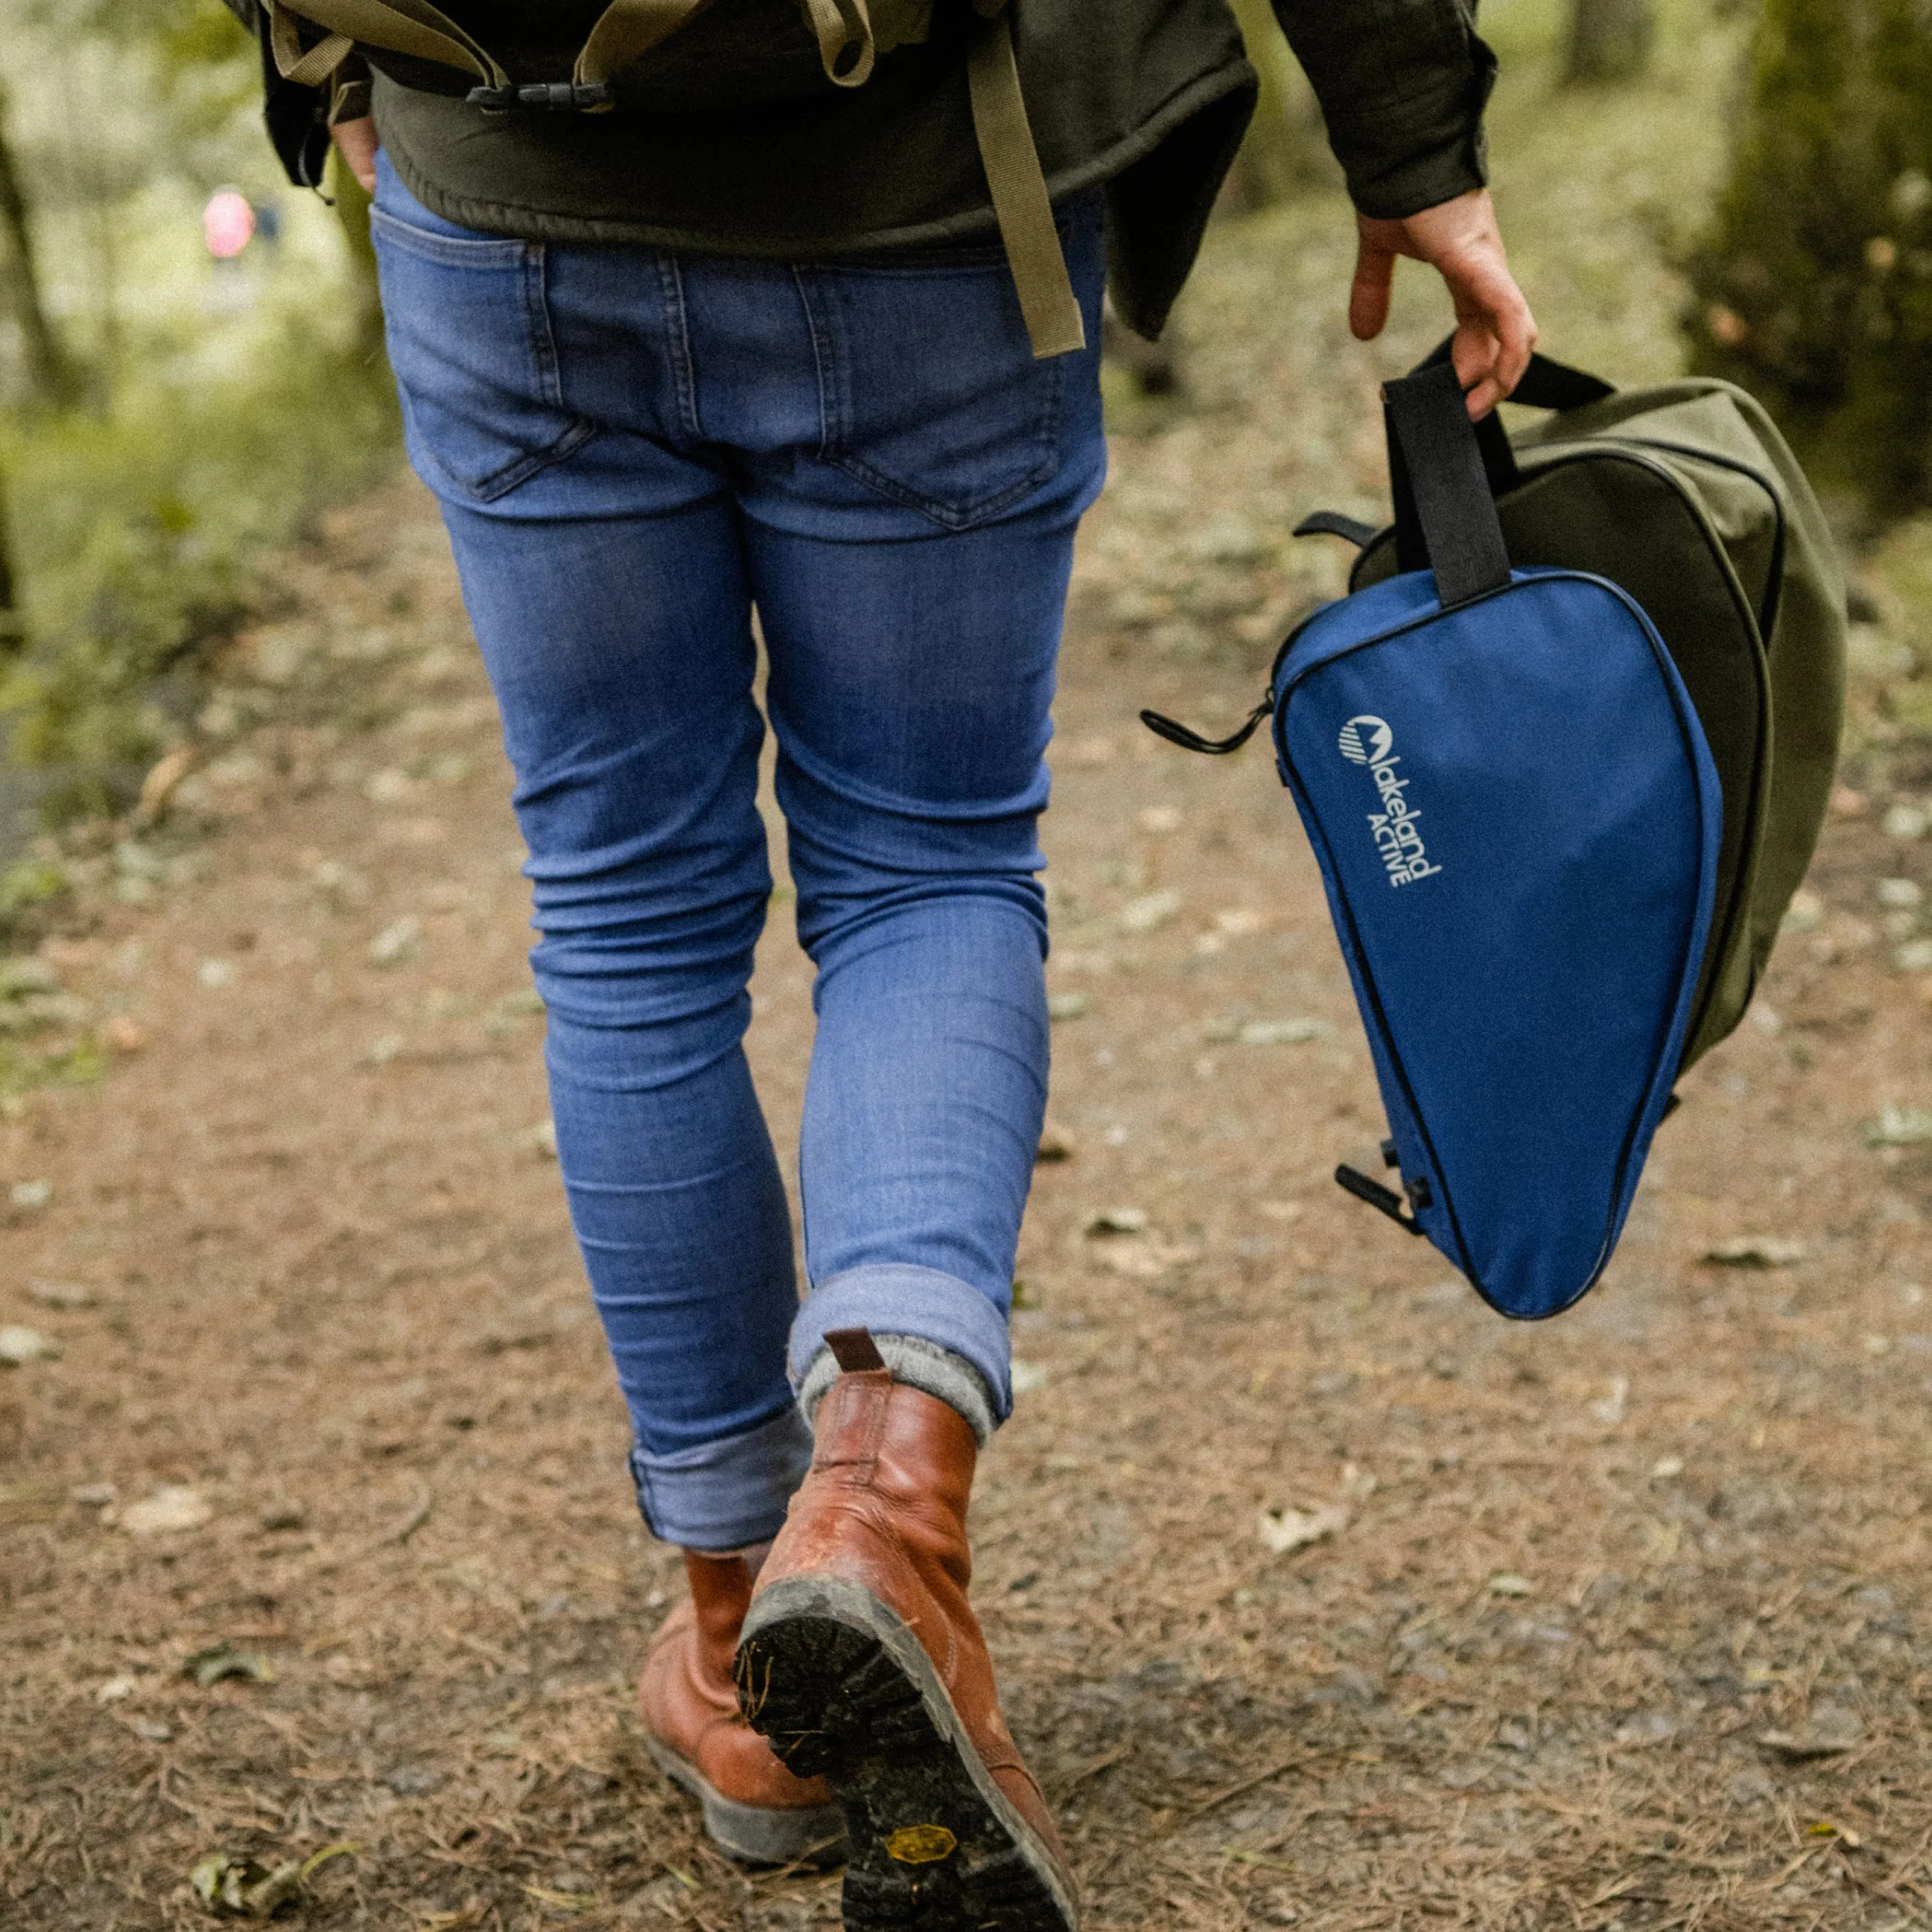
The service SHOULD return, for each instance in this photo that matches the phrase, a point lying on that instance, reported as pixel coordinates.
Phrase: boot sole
(843, 1690)
(756, 1834)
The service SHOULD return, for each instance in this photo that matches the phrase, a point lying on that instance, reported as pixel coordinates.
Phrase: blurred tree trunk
(1285, 152)
(50, 377)
(1814, 283)
(1609, 40)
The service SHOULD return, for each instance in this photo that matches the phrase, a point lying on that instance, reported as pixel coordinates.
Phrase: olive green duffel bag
(1686, 496)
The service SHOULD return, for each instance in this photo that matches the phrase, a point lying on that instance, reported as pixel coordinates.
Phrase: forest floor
(314, 1527)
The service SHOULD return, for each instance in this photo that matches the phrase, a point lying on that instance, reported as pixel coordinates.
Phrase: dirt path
(1621, 1626)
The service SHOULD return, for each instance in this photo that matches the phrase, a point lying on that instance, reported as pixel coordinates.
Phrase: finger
(355, 142)
(1368, 299)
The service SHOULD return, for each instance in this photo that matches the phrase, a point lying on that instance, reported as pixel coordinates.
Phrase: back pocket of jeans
(468, 327)
(930, 391)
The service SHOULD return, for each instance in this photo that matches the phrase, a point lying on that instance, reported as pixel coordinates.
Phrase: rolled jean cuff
(899, 1299)
(725, 1496)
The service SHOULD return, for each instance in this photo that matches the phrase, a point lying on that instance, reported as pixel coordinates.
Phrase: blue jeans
(633, 451)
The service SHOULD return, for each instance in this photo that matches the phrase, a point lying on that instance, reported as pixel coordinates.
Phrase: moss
(1814, 286)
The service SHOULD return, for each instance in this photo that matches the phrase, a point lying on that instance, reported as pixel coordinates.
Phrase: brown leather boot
(862, 1664)
(754, 1807)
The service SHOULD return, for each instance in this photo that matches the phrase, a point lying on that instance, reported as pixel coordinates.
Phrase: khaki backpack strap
(626, 31)
(414, 27)
(847, 46)
(308, 69)
(1019, 186)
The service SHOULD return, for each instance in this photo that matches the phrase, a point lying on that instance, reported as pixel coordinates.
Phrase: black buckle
(544, 96)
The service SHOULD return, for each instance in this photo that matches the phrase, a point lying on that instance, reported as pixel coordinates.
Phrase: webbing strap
(846, 45)
(308, 69)
(1440, 487)
(414, 27)
(627, 30)
(1020, 201)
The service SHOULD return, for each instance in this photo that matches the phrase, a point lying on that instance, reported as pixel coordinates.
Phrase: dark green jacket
(1150, 97)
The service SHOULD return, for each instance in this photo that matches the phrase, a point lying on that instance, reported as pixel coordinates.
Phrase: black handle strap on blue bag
(1445, 514)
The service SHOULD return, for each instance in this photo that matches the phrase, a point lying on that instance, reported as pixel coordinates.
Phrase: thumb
(1368, 299)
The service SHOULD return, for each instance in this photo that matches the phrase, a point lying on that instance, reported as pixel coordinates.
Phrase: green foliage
(1814, 284)
(137, 538)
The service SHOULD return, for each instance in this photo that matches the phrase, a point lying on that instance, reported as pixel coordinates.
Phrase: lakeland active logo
(1370, 742)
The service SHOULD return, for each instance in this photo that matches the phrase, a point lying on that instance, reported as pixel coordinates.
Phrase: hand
(1495, 331)
(355, 142)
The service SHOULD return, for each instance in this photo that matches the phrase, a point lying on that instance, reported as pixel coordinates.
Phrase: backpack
(1686, 496)
(754, 54)
(1495, 767)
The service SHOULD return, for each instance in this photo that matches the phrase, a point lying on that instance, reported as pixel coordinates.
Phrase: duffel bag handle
(1546, 384)
(1445, 514)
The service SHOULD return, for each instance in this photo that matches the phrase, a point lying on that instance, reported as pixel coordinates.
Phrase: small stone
(1057, 1143)
(388, 1047)
(216, 973)
(412, 1780)
(1283, 1032)
(1915, 956)
(1069, 1006)
(115, 1690)
(29, 1194)
(1118, 1221)
(1159, 819)
(92, 1495)
(1906, 821)
(152, 1729)
(1900, 894)
(1805, 914)
(19, 1347)
(1506, 1584)
(1028, 1376)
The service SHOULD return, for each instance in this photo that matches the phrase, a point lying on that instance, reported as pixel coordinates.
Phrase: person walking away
(749, 343)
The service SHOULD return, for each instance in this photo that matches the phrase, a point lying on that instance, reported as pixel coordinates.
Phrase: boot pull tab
(854, 1351)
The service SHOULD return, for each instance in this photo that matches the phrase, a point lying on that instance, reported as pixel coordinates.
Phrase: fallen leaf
(19, 1347)
(222, 1661)
(172, 1506)
(1283, 1032)
(1829, 1733)
(1899, 1127)
(396, 943)
(60, 1294)
(120, 1035)
(1146, 914)
(1069, 1005)
(1756, 1251)
(1117, 1221)
(243, 1887)
(158, 787)
(1281, 1531)
(1610, 1409)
